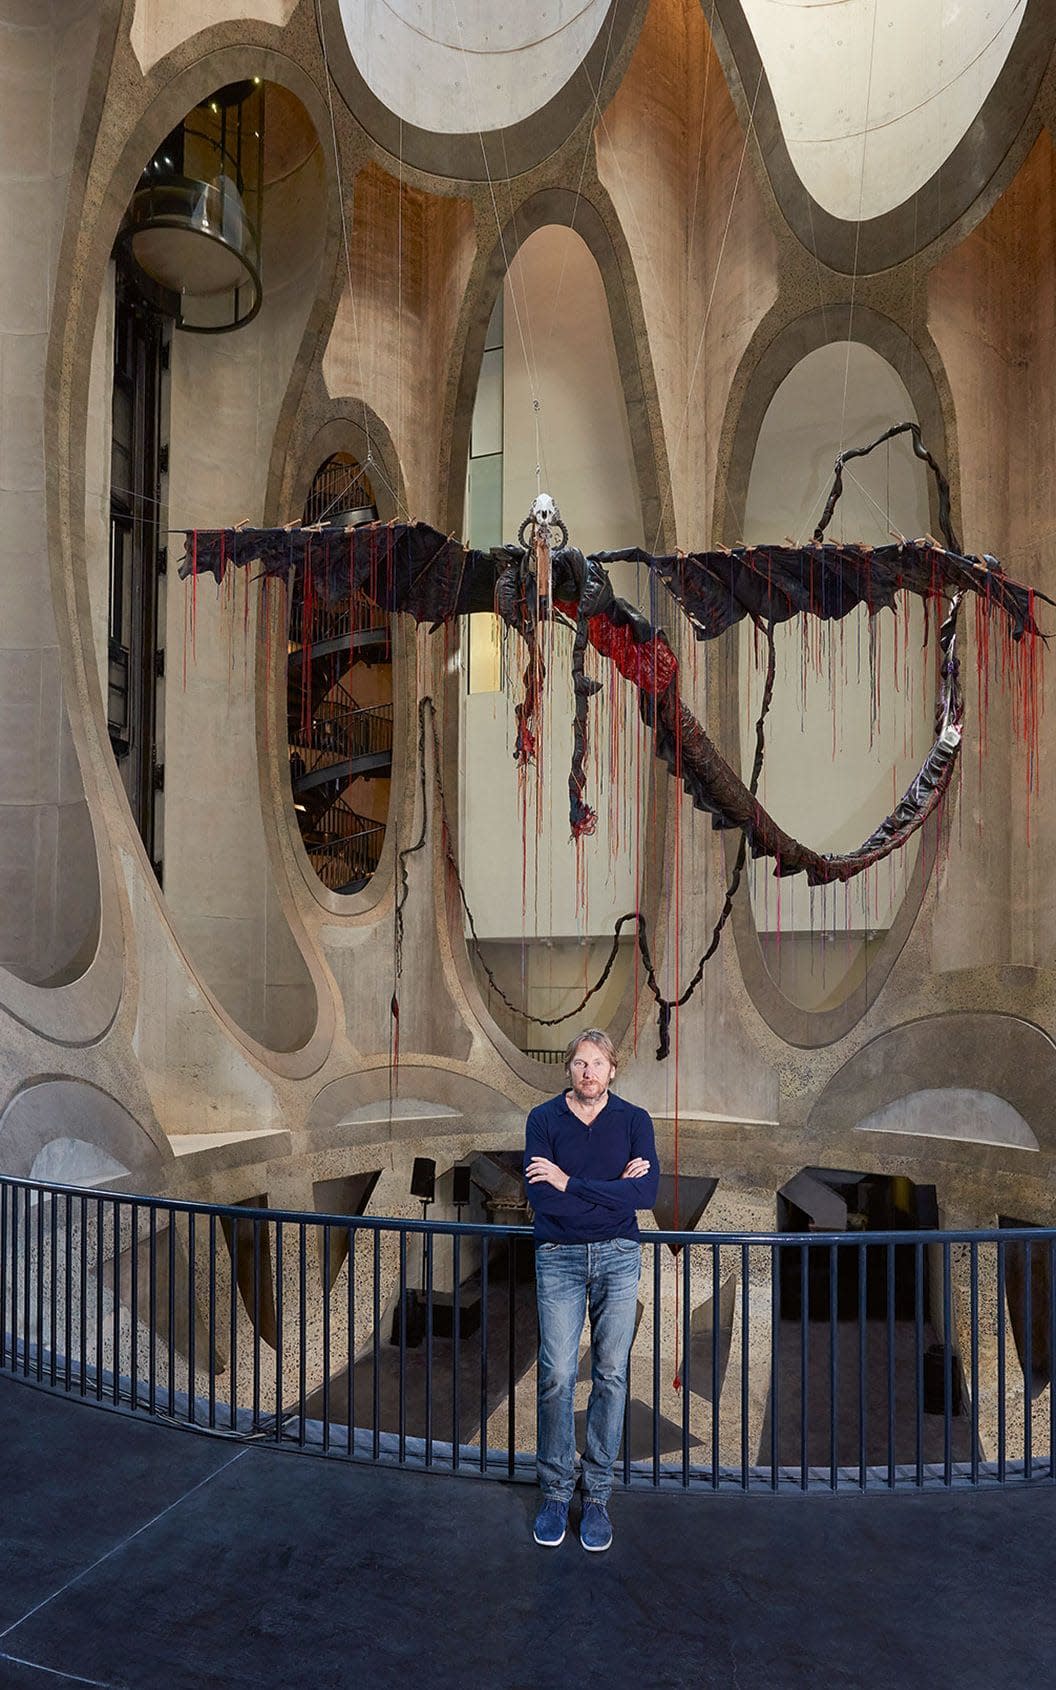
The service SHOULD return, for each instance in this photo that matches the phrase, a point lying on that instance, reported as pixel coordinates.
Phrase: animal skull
(544, 512)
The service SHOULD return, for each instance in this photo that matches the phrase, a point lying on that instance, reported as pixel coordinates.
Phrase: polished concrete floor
(142, 1556)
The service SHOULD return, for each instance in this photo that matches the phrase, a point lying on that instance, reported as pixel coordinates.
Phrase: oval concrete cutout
(957, 1112)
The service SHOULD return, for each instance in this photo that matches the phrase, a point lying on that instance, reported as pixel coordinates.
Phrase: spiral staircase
(339, 709)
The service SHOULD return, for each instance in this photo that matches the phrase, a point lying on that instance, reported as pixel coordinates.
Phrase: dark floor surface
(143, 1556)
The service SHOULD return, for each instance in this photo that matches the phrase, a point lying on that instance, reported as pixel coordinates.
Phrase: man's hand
(636, 1167)
(540, 1169)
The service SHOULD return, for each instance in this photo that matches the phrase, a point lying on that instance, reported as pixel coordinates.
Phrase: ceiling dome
(867, 123)
(443, 86)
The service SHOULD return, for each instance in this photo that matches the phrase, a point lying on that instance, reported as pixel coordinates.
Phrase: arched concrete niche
(479, 89)
(550, 395)
(852, 716)
(432, 1102)
(956, 1112)
(49, 878)
(226, 393)
(872, 154)
(160, 25)
(1000, 1073)
(322, 427)
(70, 1131)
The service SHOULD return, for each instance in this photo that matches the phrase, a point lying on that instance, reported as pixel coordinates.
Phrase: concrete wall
(49, 894)
(233, 1001)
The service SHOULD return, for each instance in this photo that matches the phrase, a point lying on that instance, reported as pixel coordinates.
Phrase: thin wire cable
(591, 128)
(858, 229)
(494, 200)
(400, 506)
(748, 133)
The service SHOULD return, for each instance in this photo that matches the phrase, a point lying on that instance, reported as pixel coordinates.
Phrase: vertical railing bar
(625, 1429)
(53, 1313)
(918, 1326)
(947, 1368)
(16, 1202)
(171, 1358)
(82, 1270)
(834, 1287)
(511, 1373)
(687, 1301)
(67, 1343)
(484, 1271)
(863, 1275)
(775, 1378)
(15, 1265)
(350, 1345)
(656, 1365)
(375, 1442)
(1028, 1361)
(1000, 1361)
(27, 1287)
(456, 1345)
(212, 1321)
(745, 1333)
(326, 1339)
(14, 1223)
(152, 1310)
(192, 1309)
(232, 1323)
(68, 1299)
(256, 1321)
(973, 1275)
(19, 1278)
(133, 1297)
(3, 1273)
(99, 1251)
(427, 1246)
(716, 1270)
(804, 1366)
(280, 1337)
(401, 1401)
(891, 1365)
(40, 1284)
(302, 1333)
(16, 1256)
(116, 1322)
(1052, 1359)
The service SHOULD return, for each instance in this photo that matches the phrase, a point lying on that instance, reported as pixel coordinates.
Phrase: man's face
(591, 1071)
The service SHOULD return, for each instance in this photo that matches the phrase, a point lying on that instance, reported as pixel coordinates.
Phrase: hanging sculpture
(414, 569)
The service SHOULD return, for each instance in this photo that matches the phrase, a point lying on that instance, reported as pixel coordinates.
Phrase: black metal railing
(348, 859)
(348, 620)
(345, 733)
(777, 1361)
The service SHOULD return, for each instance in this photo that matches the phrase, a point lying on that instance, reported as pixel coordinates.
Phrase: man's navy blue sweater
(596, 1204)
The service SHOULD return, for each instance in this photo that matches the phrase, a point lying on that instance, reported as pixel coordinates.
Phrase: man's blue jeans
(569, 1280)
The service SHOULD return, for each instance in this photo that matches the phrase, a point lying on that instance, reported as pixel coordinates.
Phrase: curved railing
(832, 1361)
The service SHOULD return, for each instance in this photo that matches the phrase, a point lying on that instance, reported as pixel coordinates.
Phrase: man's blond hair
(594, 1036)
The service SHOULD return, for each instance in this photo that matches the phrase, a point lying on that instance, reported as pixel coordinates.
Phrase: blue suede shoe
(550, 1523)
(595, 1528)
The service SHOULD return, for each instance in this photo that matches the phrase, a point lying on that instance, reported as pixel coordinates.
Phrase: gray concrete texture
(244, 998)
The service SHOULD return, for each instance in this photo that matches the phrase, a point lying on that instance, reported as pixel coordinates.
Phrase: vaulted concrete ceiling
(874, 95)
(480, 64)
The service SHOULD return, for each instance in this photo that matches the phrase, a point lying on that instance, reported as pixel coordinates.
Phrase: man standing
(589, 1164)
